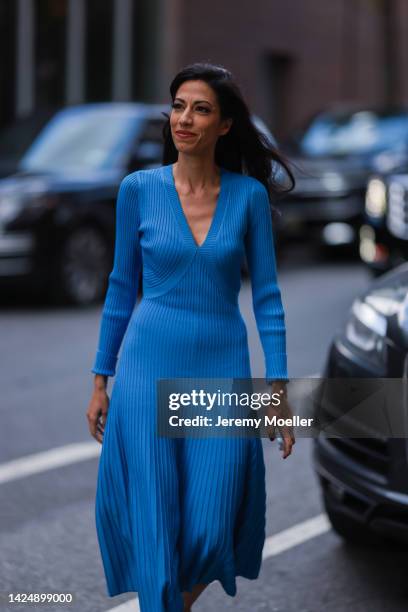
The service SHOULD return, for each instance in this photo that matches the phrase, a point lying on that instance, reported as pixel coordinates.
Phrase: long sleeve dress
(174, 512)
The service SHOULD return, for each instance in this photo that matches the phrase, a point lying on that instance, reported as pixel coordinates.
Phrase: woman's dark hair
(244, 149)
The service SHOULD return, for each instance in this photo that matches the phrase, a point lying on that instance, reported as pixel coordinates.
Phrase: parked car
(334, 155)
(57, 213)
(384, 233)
(364, 480)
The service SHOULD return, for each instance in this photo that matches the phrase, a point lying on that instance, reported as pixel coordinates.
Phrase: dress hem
(232, 592)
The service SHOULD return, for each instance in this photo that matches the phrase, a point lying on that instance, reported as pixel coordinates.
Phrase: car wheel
(84, 266)
(352, 531)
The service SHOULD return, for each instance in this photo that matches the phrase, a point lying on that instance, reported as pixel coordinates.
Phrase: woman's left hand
(281, 411)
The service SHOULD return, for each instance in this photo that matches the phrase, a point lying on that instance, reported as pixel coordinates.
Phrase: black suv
(334, 156)
(364, 480)
(57, 219)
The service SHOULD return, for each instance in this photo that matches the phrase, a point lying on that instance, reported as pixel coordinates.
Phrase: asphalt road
(47, 532)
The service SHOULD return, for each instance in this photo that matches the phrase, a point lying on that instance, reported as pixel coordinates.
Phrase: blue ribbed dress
(174, 512)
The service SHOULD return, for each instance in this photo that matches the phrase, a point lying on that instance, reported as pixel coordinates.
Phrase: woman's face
(195, 119)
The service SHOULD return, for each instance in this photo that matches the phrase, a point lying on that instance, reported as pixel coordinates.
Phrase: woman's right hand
(97, 413)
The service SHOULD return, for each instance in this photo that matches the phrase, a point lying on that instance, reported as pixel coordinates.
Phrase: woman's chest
(214, 228)
(199, 213)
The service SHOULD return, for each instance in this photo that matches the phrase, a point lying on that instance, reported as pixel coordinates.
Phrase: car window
(147, 149)
(356, 133)
(86, 139)
(153, 131)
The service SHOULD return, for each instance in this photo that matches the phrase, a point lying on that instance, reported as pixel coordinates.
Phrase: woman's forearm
(100, 382)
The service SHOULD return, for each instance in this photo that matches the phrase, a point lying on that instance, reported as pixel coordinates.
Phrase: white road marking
(293, 536)
(274, 545)
(48, 460)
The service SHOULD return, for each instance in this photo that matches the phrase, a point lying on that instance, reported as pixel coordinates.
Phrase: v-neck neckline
(178, 208)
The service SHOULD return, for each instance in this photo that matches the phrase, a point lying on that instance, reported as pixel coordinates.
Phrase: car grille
(397, 216)
(371, 453)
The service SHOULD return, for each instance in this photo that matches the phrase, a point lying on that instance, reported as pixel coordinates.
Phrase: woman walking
(174, 514)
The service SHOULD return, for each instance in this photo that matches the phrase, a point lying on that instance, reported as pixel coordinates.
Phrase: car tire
(84, 263)
(352, 531)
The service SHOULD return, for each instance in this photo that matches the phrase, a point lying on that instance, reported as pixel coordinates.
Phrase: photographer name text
(255, 422)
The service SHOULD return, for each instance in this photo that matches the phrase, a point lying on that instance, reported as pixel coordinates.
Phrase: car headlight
(376, 198)
(366, 330)
(11, 204)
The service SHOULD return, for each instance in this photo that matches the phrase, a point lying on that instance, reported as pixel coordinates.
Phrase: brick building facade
(291, 58)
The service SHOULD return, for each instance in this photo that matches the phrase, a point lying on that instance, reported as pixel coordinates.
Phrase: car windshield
(363, 132)
(82, 140)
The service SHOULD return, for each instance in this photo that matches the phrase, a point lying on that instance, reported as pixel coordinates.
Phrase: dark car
(364, 477)
(333, 156)
(384, 233)
(57, 218)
